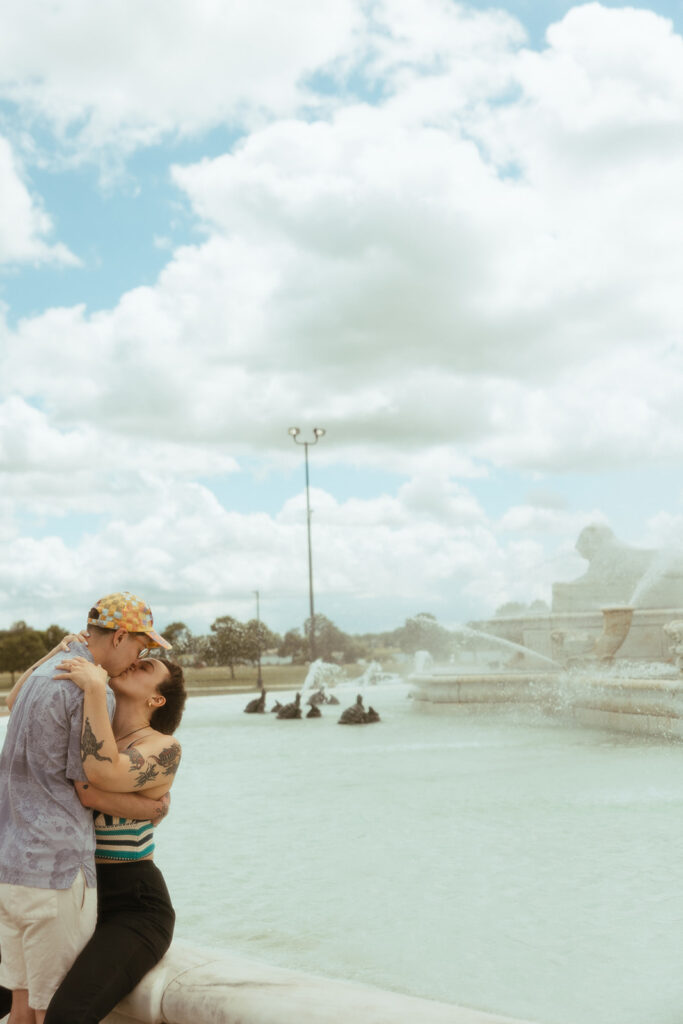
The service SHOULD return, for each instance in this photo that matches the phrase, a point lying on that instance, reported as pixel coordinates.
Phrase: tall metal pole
(310, 558)
(259, 677)
(318, 432)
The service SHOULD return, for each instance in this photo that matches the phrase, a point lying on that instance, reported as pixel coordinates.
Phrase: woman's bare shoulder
(163, 750)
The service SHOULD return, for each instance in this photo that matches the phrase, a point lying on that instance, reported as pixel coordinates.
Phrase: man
(48, 902)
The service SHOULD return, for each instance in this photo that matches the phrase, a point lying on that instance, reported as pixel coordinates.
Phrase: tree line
(21, 645)
(230, 642)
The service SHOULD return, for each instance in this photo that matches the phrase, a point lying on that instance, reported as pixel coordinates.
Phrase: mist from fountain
(374, 675)
(422, 661)
(322, 675)
(662, 582)
(542, 661)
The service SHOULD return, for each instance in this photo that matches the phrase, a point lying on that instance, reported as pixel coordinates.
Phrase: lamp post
(318, 432)
(259, 677)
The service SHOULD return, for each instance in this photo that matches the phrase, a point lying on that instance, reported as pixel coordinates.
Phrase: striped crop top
(122, 838)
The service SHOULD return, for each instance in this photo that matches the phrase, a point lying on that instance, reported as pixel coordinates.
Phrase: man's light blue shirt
(46, 835)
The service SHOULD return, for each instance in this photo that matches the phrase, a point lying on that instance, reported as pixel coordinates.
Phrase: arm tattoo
(136, 759)
(145, 776)
(169, 759)
(89, 744)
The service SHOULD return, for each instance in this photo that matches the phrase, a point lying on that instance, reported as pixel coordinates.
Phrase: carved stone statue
(675, 631)
(614, 571)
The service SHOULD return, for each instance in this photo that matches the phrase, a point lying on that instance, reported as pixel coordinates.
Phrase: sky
(448, 234)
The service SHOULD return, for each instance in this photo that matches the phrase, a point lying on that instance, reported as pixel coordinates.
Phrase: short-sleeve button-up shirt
(46, 835)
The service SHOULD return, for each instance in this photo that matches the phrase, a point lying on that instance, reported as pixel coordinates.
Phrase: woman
(130, 765)
(136, 753)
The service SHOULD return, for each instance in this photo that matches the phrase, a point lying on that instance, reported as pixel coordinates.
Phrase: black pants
(5, 999)
(134, 929)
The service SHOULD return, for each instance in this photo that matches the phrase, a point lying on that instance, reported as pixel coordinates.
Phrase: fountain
(675, 631)
(493, 844)
(374, 674)
(422, 660)
(322, 675)
(618, 575)
(501, 848)
(615, 629)
(607, 659)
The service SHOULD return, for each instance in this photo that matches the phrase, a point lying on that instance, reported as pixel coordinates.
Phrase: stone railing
(642, 707)
(194, 985)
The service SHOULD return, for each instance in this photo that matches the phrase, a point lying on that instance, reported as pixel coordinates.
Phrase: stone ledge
(197, 985)
(646, 707)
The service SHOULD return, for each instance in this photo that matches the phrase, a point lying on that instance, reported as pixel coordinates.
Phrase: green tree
(52, 636)
(293, 645)
(228, 642)
(331, 642)
(423, 633)
(203, 652)
(20, 646)
(179, 636)
(257, 639)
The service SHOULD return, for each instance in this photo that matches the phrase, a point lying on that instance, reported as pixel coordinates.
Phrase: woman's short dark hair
(166, 719)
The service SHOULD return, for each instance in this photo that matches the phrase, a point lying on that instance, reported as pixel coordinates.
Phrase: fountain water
(374, 674)
(422, 661)
(517, 880)
(322, 675)
(531, 871)
(661, 585)
(490, 648)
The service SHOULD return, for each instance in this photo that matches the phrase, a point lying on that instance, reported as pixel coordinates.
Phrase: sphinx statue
(619, 574)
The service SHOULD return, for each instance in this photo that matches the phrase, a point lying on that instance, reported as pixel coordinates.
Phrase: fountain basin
(445, 687)
(480, 859)
(642, 707)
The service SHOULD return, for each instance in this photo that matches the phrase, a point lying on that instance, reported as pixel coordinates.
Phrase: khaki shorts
(42, 931)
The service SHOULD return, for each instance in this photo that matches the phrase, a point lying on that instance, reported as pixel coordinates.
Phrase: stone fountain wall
(562, 635)
(638, 706)
(193, 985)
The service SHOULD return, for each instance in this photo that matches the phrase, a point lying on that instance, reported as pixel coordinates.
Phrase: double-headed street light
(318, 432)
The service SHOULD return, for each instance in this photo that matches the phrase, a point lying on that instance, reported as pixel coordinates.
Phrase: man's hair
(166, 719)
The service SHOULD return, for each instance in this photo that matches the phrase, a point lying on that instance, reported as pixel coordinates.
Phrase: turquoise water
(512, 866)
(505, 864)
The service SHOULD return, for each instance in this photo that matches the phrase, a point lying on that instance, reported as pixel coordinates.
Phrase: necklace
(139, 729)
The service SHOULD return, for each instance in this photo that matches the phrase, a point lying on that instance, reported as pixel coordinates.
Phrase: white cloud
(121, 74)
(24, 225)
(378, 272)
(193, 559)
(480, 270)
(49, 472)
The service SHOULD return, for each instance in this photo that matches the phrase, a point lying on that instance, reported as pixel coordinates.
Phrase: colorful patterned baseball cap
(126, 611)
